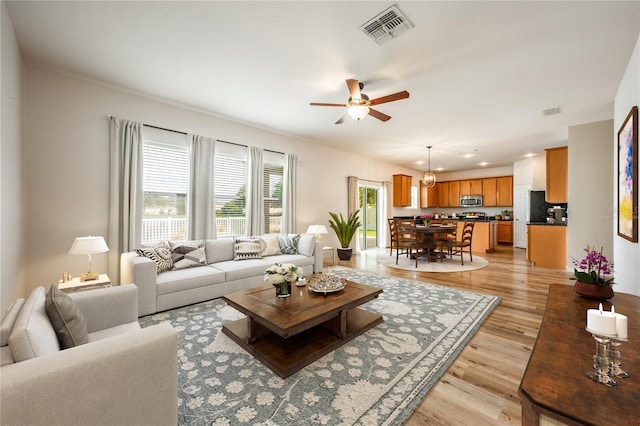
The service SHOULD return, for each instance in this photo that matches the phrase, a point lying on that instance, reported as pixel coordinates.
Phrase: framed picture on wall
(628, 177)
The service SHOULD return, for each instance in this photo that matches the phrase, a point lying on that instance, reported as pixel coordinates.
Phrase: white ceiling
(479, 73)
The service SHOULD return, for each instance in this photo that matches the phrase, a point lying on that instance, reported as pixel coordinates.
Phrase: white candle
(621, 326)
(601, 322)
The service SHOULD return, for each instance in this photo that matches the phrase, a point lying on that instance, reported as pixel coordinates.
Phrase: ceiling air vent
(387, 25)
(551, 111)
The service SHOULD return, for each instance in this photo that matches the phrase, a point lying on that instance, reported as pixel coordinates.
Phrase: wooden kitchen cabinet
(557, 174)
(465, 187)
(454, 193)
(443, 194)
(490, 192)
(547, 246)
(401, 190)
(505, 231)
(428, 196)
(504, 194)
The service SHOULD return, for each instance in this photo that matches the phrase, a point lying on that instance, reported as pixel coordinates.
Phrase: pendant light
(429, 179)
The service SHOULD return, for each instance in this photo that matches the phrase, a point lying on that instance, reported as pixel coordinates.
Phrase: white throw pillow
(270, 245)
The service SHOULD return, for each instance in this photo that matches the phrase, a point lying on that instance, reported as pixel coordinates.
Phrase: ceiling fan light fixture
(358, 112)
(429, 179)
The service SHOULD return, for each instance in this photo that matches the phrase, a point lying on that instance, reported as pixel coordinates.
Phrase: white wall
(590, 180)
(626, 254)
(67, 162)
(12, 245)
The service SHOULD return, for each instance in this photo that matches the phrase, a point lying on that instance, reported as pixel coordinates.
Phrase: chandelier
(429, 179)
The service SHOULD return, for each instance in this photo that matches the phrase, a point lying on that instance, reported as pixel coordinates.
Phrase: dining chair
(408, 238)
(457, 247)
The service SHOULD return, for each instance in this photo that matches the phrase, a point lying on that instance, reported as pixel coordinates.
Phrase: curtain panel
(201, 215)
(289, 190)
(255, 204)
(125, 190)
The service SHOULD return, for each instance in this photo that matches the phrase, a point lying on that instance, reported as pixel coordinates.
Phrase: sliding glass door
(369, 196)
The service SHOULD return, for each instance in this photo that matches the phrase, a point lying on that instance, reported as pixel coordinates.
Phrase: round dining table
(429, 232)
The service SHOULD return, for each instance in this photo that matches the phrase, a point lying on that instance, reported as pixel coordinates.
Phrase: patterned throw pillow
(161, 254)
(270, 245)
(247, 248)
(66, 319)
(186, 254)
(289, 243)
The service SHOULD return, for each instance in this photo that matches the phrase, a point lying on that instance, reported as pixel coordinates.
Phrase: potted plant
(344, 229)
(594, 275)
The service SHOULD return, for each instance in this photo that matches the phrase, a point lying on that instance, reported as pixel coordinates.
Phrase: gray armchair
(124, 375)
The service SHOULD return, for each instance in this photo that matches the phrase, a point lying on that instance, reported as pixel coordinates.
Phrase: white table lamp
(317, 230)
(88, 245)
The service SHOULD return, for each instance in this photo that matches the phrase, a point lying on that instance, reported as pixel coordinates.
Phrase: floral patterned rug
(377, 378)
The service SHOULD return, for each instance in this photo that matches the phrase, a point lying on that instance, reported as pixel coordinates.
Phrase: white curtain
(386, 185)
(200, 208)
(353, 204)
(255, 183)
(289, 189)
(125, 202)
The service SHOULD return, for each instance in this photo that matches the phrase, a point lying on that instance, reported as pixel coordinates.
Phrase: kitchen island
(547, 244)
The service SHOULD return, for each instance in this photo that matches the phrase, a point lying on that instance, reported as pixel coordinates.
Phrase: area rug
(447, 265)
(378, 378)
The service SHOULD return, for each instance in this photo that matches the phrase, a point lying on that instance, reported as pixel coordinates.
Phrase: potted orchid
(594, 275)
(281, 275)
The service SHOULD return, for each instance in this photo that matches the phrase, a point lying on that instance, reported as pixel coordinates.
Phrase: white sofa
(223, 275)
(123, 375)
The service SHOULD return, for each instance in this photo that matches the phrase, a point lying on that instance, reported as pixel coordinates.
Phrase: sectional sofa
(226, 265)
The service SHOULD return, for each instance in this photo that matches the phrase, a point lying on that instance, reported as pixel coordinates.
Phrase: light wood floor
(481, 387)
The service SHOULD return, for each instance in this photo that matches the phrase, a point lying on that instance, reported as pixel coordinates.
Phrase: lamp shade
(317, 229)
(88, 245)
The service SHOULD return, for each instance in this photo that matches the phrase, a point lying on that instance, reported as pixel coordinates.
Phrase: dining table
(430, 231)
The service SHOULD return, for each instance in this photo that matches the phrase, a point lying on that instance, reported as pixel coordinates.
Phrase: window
(273, 164)
(165, 176)
(230, 184)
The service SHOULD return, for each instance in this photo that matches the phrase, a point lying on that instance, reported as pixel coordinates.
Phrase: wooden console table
(555, 384)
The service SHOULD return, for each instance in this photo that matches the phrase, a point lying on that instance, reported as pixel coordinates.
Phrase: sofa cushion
(32, 335)
(8, 320)
(245, 269)
(66, 319)
(220, 250)
(160, 253)
(114, 331)
(187, 279)
(247, 248)
(307, 245)
(269, 245)
(296, 259)
(187, 254)
(289, 243)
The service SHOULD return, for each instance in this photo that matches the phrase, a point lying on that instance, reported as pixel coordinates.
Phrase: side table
(76, 285)
(333, 253)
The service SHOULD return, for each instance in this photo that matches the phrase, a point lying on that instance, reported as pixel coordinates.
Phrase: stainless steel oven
(470, 200)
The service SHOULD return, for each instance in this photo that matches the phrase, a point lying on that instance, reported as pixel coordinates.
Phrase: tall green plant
(344, 229)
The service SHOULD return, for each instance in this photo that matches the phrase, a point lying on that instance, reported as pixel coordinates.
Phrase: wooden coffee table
(287, 334)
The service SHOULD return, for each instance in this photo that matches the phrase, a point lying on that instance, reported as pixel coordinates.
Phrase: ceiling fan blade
(323, 104)
(379, 115)
(341, 119)
(390, 98)
(354, 89)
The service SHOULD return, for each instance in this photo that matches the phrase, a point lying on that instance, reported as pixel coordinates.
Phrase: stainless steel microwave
(470, 200)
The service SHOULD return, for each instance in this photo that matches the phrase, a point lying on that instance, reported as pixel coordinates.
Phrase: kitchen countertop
(547, 224)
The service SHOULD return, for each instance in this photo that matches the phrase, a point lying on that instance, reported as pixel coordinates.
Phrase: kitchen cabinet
(504, 194)
(443, 194)
(505, 231)
(401, 190)
(465, 187)
(454, 193)
(489, 192)
(471, 187)
(428, 196)
(557, 174)
(547, 246)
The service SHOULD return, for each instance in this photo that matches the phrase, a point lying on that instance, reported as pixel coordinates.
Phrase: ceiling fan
(359, 104)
